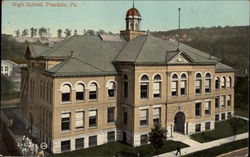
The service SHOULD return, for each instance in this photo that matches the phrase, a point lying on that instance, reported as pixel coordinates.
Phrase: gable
(28, 53)
(180, 58)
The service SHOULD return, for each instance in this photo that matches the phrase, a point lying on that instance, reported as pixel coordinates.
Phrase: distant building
(7, 67)
(89, 90)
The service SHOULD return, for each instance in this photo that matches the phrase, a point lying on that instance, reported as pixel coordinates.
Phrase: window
(223, 116)
(198, 128)
(207, 126)
(79, 92)
(207, 83)
(125, 115)
(174, 85)
(111, 136)
(111, 89)
(92, 118)
(65, 146)
(157, 86)
(228, 100)
(229, 115)
(217, 100)
(66, 90)
(92, 141)
(229, 82)
(144, 87)
(79, 142)
(217, 117)
(207, 107)
(217, 83)
(143, 117)
(222, 101)
(198, 109)
(198, 82)
(157, 115)
(79, 123)
(93, 91)
(6, 68)
(144, 139)
(183, 84)
(65, 121)
(125, 86)
(111, 114)
(223, 82)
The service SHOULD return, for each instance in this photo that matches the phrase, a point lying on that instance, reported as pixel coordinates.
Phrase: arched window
(183, 84)
(79, 92)
(125, 86)
(217, 83)
(92, 91)
(131, 26)
(144, 87)
(223, 82)
(136, 26)
(208, 83)
(198, 83)
(111, 89)
(174, 85)
(229, 82)
(157, 86)
(66, 92)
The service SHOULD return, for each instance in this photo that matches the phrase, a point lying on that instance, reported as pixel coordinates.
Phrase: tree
(42, 32)
(59, 33)
(75, 32)
(67, 32)
(100, 32)
(25, 32)
(157, 136)
(17, 32)
(32, 32)
(90, 32)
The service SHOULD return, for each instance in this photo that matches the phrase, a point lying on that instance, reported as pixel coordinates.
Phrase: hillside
(230, 44)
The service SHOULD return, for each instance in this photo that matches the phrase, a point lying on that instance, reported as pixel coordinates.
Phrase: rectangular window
(222, 101)
(157, 115)
(79, 123)
(144, 90)
(207, 126)
(229, 100)
(156, 89)
(217, 100)
(93, 92)
(198, 128)
(223, 116)
(111, 114)
(198, 87)
(79, 142)
(92, 118)
(65, 146)
(198, 109)
(79, 96)
(207, 107)
(144, 139)
(207, 86)
(125, 89)
(111, 93)
(229, 115)
(92, 141)
(125, 115)
(65, 121)
(65, 96)
(183, 87)
(111, 136)
(217, 117)
(174, 88)
(143, 117)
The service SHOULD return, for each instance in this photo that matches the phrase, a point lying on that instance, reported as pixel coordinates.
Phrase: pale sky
(158, 15)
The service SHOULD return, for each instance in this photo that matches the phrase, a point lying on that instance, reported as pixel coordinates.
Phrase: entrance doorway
(179, 122)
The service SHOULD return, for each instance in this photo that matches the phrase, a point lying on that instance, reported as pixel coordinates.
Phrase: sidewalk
(196, 146)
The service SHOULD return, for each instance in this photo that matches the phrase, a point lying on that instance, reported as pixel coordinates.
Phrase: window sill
(111, 98)
(197, 117)
(144, 126)
(144, 99)
(80, 129)
(93, 127)
(65, 131)
(111, 123)
(198, 94)
(207, 115)
(174, 96)
(207, 93)
(156, 97)
(93, 100)
(66, 102)
(79, 101)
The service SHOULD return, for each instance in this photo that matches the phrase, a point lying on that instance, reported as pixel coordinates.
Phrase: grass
(225, 148)
(110, 149)
(222, 129)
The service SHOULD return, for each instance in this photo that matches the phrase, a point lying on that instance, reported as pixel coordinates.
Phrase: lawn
(222, 129)
(212, 152)
(110, 149)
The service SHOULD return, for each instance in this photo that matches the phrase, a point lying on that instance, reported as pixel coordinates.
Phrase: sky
(161, 15)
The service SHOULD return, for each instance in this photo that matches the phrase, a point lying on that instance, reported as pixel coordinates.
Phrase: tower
(133, 20)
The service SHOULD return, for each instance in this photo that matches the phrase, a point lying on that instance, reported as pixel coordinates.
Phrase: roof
(98, 55)
(220, 67)
(36, 50)
(133, 12)
(8, 62)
